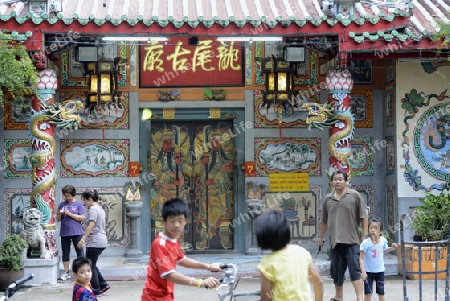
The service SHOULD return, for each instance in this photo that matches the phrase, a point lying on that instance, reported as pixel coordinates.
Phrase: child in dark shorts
(372, 265)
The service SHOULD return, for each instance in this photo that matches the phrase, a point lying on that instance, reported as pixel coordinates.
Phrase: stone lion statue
(32, 231)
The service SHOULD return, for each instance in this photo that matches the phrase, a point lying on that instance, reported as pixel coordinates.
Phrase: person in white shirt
(371, 260)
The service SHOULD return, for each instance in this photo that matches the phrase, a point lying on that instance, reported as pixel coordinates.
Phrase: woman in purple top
(70, 214)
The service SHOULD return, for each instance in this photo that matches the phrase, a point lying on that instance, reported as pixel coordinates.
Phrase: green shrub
(432, 217)
(11, 252)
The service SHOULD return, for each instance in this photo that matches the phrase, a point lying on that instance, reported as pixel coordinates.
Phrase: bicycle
(230, 281)
(13, 287)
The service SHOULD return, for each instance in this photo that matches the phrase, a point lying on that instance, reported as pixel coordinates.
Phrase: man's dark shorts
(343, 256)
(379, 283)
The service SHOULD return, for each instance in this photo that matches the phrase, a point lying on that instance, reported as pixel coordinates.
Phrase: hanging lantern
(279, 82)
(102, 83)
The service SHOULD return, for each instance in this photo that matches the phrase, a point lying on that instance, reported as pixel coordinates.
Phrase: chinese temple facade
(189, 113)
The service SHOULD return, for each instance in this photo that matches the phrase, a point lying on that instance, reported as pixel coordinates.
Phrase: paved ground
(131, 291)
(126, 277)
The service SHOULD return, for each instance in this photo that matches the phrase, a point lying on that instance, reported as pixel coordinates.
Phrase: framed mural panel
(362, 160)
(17, 114)
(112, 200)
(307, 70)
(390, 106)
(391, 210)
(361, 107)
(259, 79)
(248, 65)
(366, 192)
(94, 158)
(390, 70)
(17, 201)
(113, 117)
(17, 158)
(300, 209)
(72, 72)
(274, 155)
(267, 117)
(361, 71)
(76, 69)
(390, 155)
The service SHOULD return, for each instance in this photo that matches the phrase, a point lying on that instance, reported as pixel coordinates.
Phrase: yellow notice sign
(281, 182)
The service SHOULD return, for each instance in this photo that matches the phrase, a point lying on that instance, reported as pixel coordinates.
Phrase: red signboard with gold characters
(178, 64)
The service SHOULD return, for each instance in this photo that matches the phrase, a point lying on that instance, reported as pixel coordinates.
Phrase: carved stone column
(133, 212)
(254, 209)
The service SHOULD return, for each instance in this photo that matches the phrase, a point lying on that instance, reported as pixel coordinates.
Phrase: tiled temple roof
(239, 13)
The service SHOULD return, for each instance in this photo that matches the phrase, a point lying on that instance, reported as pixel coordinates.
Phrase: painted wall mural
(361, 71)
(429, 140)
(390, 70)
(362, 157)
(17, 158)
(97, 158)
(112, 117)
(390, 155)
(112, 199)
(432, 141)
(292, 116)
(300, 209)
(17, 201)
(366, 192)
(361, 107)
(17, 114)
(275, 155)
(391, 210)
(248, 65)
(390, 106)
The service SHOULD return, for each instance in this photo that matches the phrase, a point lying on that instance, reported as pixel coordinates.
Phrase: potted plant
(432, 217)
(12, 254)
(431, 223)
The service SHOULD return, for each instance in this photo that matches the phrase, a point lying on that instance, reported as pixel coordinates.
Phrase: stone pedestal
(45, 271)
(254, 207)
(133, 212)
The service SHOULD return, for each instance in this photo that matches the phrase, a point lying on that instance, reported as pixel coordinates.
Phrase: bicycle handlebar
(224, 267)
(230, 280)
(24, 279)
(10, 290)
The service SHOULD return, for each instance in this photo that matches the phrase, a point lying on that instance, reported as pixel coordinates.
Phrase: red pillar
(340, 84)
(42, 157)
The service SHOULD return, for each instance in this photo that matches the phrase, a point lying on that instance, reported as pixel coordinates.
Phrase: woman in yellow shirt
(287, 272)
